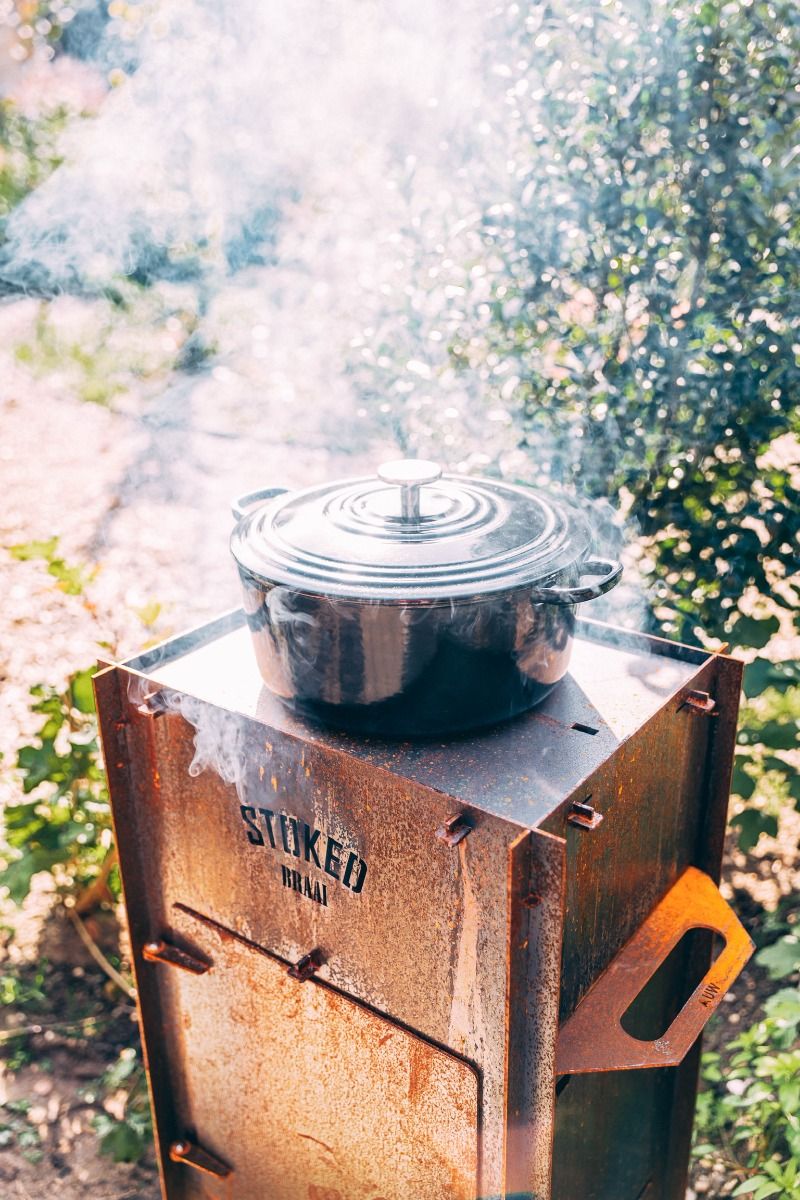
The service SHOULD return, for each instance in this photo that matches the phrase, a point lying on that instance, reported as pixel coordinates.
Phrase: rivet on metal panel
(305, 967)
(584, 815)
(700, 702)
(164, 952)
(190, 1155)
(454, 830)
(154, 705)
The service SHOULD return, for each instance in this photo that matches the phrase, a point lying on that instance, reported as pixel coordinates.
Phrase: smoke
(218, 739)
(312, 177)
(219, 733)
(240, 120)
(326, 185)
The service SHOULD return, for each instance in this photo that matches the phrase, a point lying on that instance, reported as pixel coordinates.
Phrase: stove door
(324, 1098)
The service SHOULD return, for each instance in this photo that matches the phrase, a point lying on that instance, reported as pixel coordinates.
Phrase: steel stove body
(376, 971)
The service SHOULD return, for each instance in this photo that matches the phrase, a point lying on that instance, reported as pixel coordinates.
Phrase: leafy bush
(646, 293)
(748, 1116)
(769, 730)
(28, 153)
(125, 1138)
(65, 827)
(17, 1129)
(630, 312)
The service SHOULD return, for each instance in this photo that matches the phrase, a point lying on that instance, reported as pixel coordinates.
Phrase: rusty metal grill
(383, 971)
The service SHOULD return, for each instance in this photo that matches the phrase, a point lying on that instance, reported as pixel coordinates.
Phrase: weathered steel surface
(325, 857)
(142, 907)
(536, 917)
(722, 678)
(593, 1039)
(664, 797)
(304, 1092)
(423, 939)
(655, 797)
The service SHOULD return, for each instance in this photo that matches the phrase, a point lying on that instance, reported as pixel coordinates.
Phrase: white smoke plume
(317, 175)
(238, 115)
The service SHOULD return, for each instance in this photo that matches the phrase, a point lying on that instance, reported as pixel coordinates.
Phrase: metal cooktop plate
(517, 771)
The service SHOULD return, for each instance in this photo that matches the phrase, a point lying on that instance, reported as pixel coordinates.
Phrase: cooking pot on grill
(413, 603)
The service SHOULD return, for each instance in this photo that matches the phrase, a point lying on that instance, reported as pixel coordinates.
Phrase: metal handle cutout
(593, 1039)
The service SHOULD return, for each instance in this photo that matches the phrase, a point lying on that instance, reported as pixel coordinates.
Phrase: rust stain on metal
(593, 1039)
(358, 1076)
(536, 860)
(451, 962)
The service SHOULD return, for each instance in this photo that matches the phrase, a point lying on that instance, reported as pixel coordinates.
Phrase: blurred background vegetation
(627, 312)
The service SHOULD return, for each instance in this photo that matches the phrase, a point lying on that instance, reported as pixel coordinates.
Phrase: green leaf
(123, 1143)
(767, 1189)
(750, 1185)
(774, 735)
(780, 735)
(26, 551)
(71, 579)
(754, 632)
(784, 1006)
(782, 958)
(149, 613)
(81, 691)
(751, 823)
(761, 674)
(18, 874)
(742, 783)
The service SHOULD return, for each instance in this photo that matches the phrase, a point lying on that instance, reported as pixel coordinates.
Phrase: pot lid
(410, 533)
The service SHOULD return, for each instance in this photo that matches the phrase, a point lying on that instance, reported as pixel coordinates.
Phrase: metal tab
(305, 967)
(162, 951)
(584, 815)
(700, 702)
(192, 1155)
(153, 705)
(454, 829)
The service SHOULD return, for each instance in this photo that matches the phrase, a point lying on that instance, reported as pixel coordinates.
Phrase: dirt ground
(143, 491)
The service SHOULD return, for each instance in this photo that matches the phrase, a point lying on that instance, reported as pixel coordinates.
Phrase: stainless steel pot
(411, 603)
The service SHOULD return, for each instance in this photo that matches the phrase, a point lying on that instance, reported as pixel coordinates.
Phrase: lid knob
(409, 474)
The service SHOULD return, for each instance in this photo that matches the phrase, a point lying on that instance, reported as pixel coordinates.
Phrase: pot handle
(593, 1039)
(608, 570)
(241, 504)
